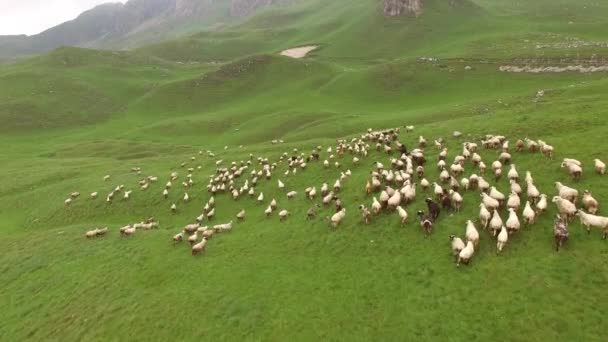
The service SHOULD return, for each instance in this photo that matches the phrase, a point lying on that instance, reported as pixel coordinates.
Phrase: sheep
(572, 161)
(337, 186)
(528, 214)
(312, 193)
(338, 217)
(533, 193)
(130, 230)
(514, 201)
(376, 206)
(472, 234)
(273, 204)
(94, 195)
(600, 167)
(106, 178)
(199, 247)
(281, 185)
(575, 171)
(261, 197)
(519, 145)
(208, 234)
(483, 185)
(67, 202)
(482, 168)
(437, 190)
(466, 254)
(513, 174)
(465, 183)
(489, 202)
(566, 192)
(566, 208)
(590, 203)
(193, 238)
(220, 228)
(512, 223)
(291, 194)
(191, 228)
(484, 216)
(541, 206)
(457, 245)
(495, 223)
(515, 187)
(283, 214)
(589, 220)
(502, 239)
(173, 208)
(327, 199)
(91, 233)
(241, 215)
(268, 211)
(434, 209)
(312, 212)
(497, 195)
(394, 201)
(211, 214)
(425, 184)
(426, 222)
(456, 200)
(546, 149)
(402, 214)
(165, 193)
(560, 232)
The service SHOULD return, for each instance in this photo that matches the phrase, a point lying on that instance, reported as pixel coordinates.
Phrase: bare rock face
(394, 8)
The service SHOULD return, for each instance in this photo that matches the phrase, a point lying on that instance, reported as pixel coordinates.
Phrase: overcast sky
(34, 16)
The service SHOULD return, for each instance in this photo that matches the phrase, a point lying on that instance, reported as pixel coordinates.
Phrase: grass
(157, 107)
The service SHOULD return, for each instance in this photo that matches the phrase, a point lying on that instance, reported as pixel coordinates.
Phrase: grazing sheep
(283, 215)
(165, 193)
(106, 177)
(291, 194)
(208, 234)
(261, 197)
(513, 174)
(268, 211)
(560, 232)
(426, 222)
(199, 247)
(273, 204)
(179, 237)
(457, 245)
(566, 208)
(600, 167)
(575, 170)
(466, 254)
(67, 202)
(91, 233)
(94, 195)
(495, 223)
(281, 185)
(130, 230)
(472, 234)
(566, 192)
(220, 228)
(502, 239)
(173, 208)
(589, 220)
(241, 215)
(312, 193)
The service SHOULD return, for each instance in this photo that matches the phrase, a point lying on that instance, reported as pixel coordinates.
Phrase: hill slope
(75, 115)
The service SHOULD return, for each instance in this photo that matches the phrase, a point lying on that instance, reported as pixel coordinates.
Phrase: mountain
(137, 22)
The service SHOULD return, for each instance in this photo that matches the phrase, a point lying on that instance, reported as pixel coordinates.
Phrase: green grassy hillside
(73, 116)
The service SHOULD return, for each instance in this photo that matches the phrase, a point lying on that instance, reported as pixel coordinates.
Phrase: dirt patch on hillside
(553, 69)
(299, 52)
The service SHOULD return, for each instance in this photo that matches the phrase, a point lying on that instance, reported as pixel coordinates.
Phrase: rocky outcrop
(394, 8)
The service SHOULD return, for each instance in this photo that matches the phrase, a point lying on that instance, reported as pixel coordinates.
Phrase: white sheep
(590, 203)
(466, 254)
(514, 201)
(513, 174)
(291, 194)
(283, 214)
(268, 211)
(502, 239)
(489, 202)
(566, 192)
(484, 216)
(106, 177)
(402, 214)
(376, 206)
(261, 197)
(497, 195)
(94, 195)
(456, 200)
(281, 185)
(515, 187)
(542, 204)
(338, 217)
(193, 238)
(199, 247)
(67, 202)
(241, 215)
(533, 192)
(495, 223)
(472, 234)
(512, 223)
(566, 208)
(457, 245)
(528, 214)
(589, 220)
(575, 170)
(600, 167)
(394, 200)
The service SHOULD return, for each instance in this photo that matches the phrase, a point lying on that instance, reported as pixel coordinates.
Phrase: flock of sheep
(392, 188)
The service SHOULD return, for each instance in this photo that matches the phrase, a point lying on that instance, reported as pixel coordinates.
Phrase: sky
(34, 16)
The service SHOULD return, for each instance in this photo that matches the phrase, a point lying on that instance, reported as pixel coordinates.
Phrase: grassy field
(73, 116)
